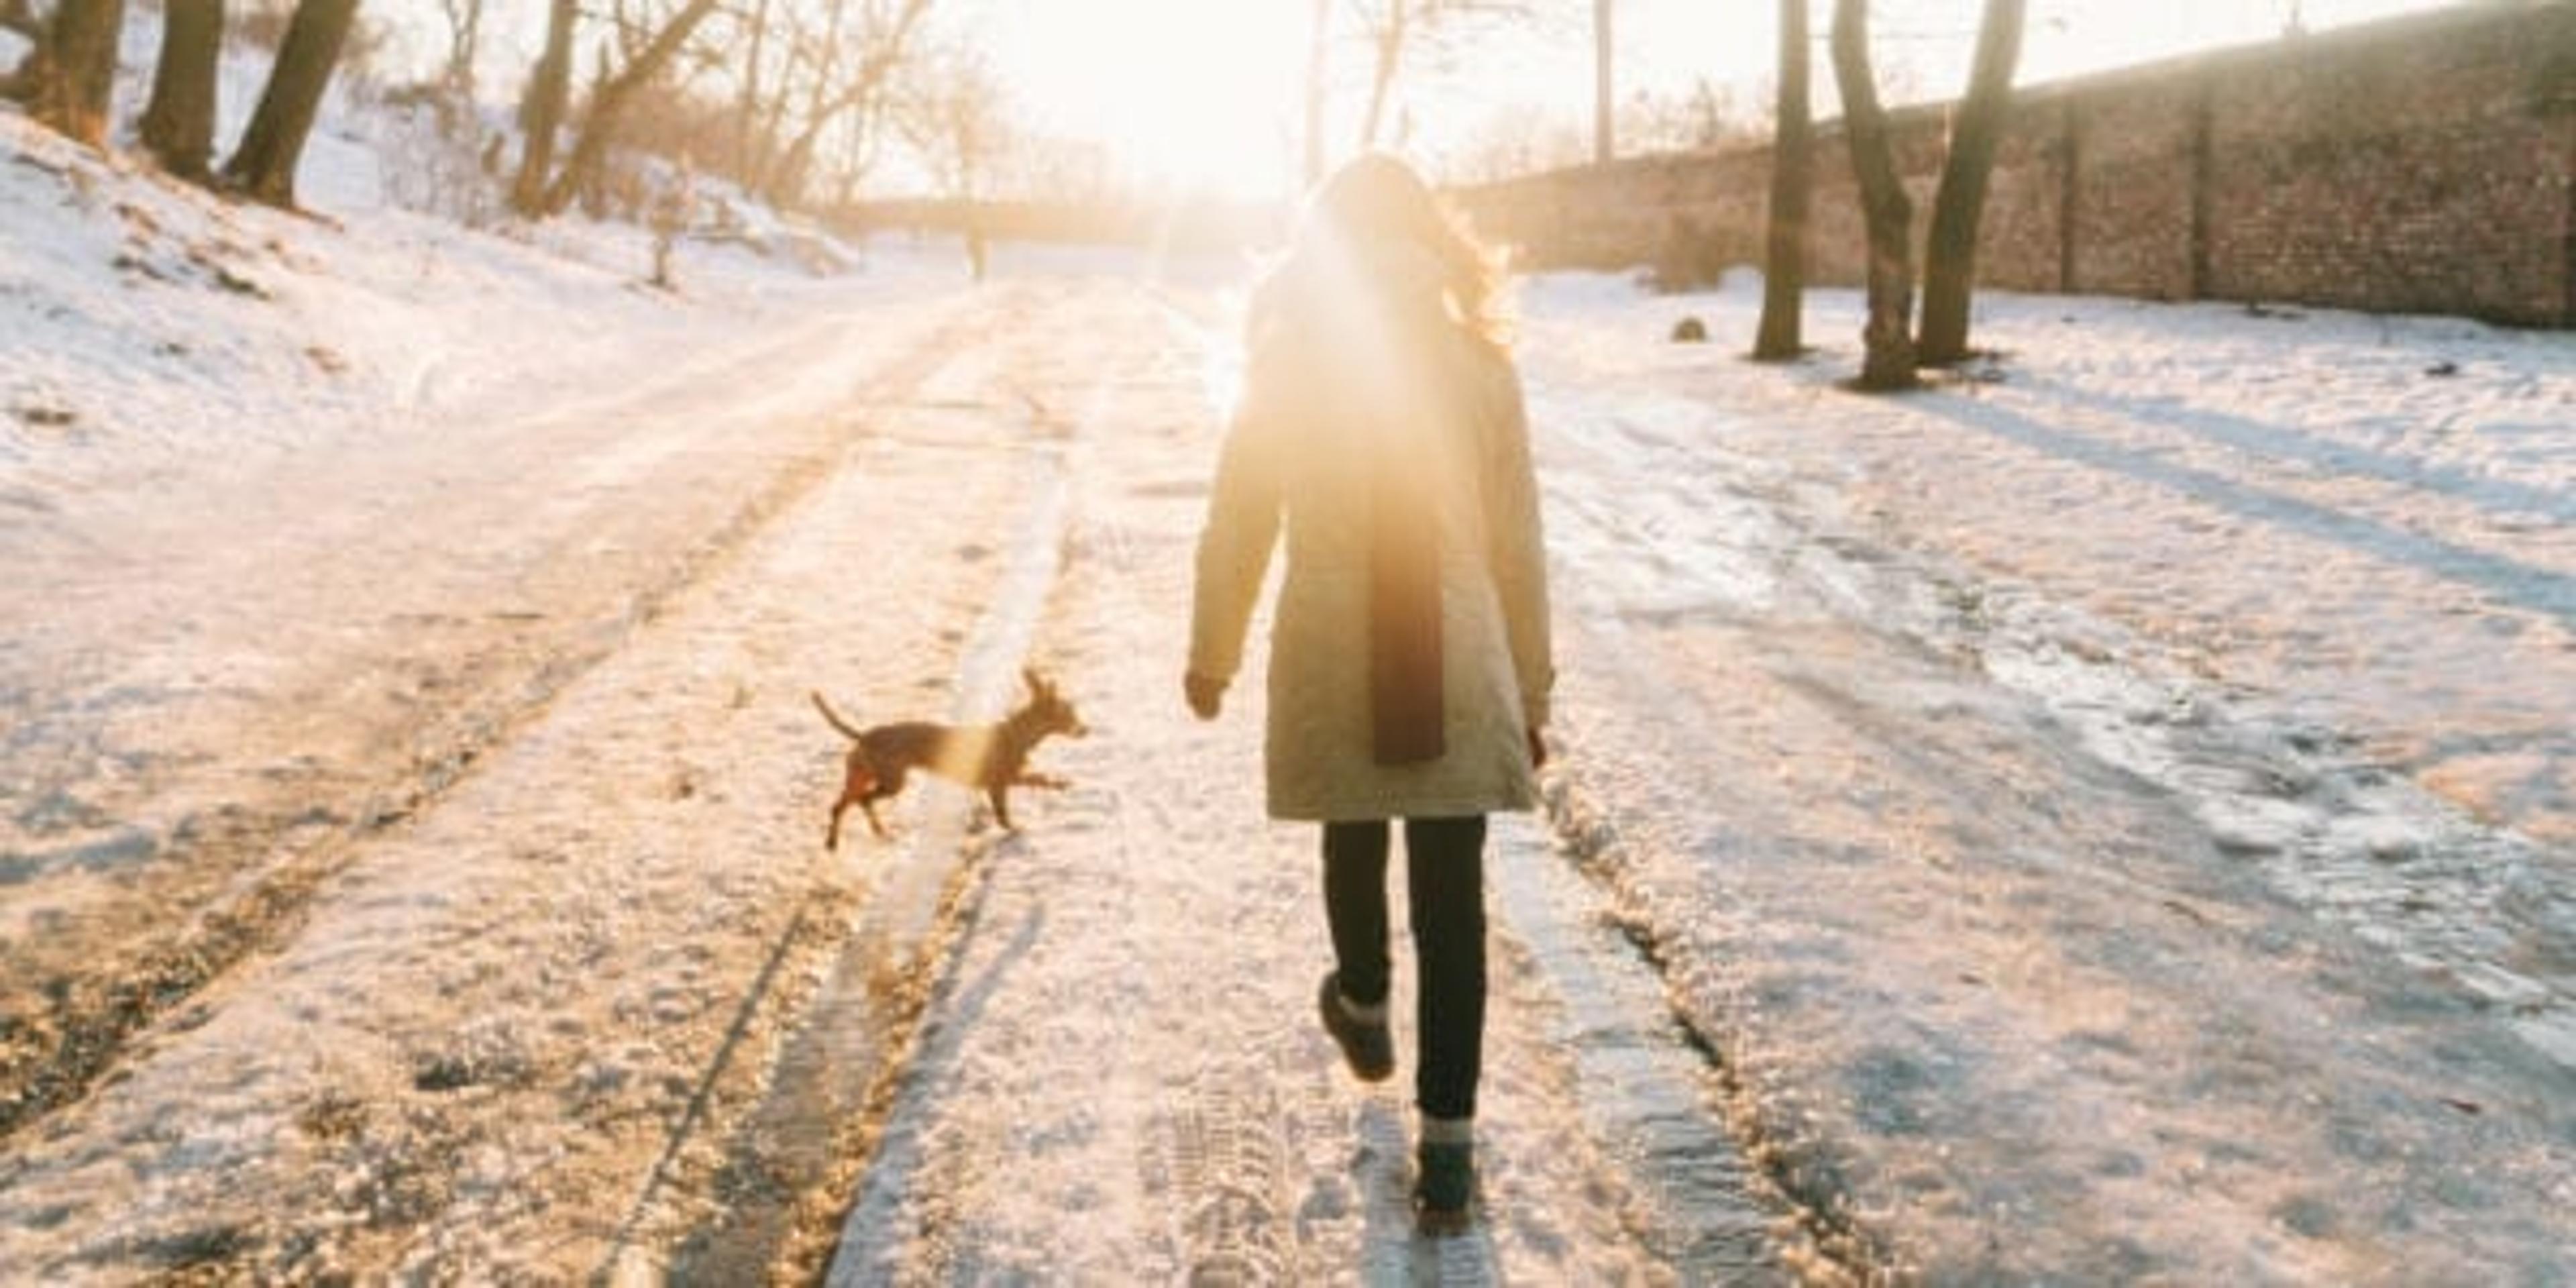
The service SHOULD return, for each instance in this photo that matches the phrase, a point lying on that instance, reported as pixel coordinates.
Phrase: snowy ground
(2114, 809)
(2109, 818)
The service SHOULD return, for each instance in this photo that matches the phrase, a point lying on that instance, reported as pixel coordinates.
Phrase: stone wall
(2423, 165)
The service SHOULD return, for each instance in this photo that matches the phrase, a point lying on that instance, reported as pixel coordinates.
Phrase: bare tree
(542, 107)
(178, 126)
(1699, 119)
(955, 119)
(1950, 255)
(464, 46)
(263, 163)
(1517, 139)
(1393, 27)
(1388, 30)
(850, 79)
(954, 114)
(69, 77)
(750, 142)
(608, 102)
(1780, 338)
(1887, 361)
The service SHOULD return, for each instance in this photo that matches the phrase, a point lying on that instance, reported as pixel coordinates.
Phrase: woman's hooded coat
(1410, 654)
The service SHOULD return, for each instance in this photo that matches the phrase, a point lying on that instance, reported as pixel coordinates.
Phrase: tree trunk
(1781, 337)
(608, 105)
(864, 92)
(462, 117)
(786, 171)
(179, 124)
(1887, 360)
(541, 110)
(769, 156)
(749, 149)
(71, 76)
(263, 165)
(1390, 55)
(584, 176)
(1950, 257)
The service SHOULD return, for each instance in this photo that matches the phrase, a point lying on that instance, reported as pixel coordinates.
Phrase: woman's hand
(1206, 696)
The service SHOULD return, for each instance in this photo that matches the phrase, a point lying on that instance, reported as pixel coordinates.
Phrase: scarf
(1405, 680)
(1391, 366)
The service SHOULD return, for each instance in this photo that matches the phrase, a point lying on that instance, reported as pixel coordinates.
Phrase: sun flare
(1207, 96)
(1186, 96)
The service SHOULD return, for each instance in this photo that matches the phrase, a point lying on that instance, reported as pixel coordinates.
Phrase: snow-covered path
(496, 1018)
(1989, 840)
(1121, 1079)
(596, 1002)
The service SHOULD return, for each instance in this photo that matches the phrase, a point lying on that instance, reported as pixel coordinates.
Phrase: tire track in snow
(1667, 519)
(589, 1006)
(835, 1083)
(90, 1021)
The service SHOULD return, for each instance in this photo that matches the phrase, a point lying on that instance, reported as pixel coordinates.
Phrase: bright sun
(1188, 95)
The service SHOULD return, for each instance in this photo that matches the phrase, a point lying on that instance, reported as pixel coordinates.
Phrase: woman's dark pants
(1445, 879)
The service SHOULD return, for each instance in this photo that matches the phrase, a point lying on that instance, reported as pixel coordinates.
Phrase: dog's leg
(1049, 781)
(875, 824)
(1000, 795)
(858, 782)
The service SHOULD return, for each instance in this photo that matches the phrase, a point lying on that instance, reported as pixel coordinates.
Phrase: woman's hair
(1377, 204)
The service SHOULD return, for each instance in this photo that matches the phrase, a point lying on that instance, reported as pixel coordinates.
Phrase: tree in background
(1950, 254)
(1780, 337)
(954, 114)
(178, 126)
(457, 112)
(542, 107)
(1699, 119)
(1518, 139)
(263, 163)
(68, 79)
(645, 59)
(1887, 361)
(804, 76)
(751, 142)
(1393, 27)
(842, 76)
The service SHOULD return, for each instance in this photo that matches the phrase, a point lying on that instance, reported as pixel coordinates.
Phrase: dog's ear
(1037, 682)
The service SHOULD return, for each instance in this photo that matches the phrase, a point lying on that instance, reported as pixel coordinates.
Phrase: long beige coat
(1303, 444)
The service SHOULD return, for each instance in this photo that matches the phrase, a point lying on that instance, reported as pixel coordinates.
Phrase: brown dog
(994, 757)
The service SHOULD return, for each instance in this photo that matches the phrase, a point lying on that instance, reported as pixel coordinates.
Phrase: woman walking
(1381, 424)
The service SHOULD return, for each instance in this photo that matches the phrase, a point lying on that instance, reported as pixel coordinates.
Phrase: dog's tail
(835, 718)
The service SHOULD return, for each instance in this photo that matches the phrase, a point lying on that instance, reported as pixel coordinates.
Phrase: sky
(1190, 93)
(1206, 95)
